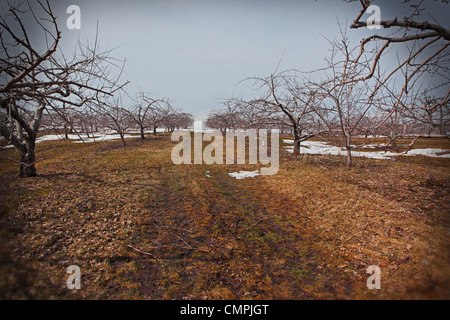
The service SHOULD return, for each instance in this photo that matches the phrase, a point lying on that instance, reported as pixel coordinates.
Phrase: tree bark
(122, 138)
(349, 151)
(27, 167)
(349, 157)
(66, 132)
(297, 140)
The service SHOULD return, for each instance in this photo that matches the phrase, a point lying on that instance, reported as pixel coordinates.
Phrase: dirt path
(218, 237)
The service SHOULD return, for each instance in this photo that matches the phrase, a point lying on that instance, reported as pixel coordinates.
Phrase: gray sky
(196, 52)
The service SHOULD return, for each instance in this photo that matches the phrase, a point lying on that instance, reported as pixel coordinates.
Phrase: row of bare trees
(355, 93)
(146, 114)
(113, 115)
(37, 76)
(41, 86)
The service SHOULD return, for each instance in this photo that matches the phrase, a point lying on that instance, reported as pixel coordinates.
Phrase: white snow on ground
(429, 152)
(84, 138)
(105, 138)
(320, 147)
(146, 131)
(244, 174)
(367, 146)
(50, 137)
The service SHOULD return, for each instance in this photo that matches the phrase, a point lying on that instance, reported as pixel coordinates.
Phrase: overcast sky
(196, 52)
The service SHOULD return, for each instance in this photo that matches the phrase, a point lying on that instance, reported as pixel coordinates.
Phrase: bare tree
(184, 120)
(344, 106)
(288, 101)
(148, 112)
(222, 119)
(115, 117)
(426, 56)
(215, 121)
(33, 79)
(158, 114)
(426, 111)
(175, 119)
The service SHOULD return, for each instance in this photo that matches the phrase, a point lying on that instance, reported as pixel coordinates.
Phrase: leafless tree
(221, 119)
(175, 119)
(425, 110)
(215, 121)
(344, 105)
(230, 116)
(170, 120)
(148, 112)
(183, 120)
(426, 56)
(158, 114)
(115, 117)
(34, 79)
(288, 101)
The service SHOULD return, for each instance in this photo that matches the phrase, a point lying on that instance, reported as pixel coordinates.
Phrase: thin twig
(143, 252)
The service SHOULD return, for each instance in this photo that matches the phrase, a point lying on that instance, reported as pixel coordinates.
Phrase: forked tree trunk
(27, 148)
(27, 167)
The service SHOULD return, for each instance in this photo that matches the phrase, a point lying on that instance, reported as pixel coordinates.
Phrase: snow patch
(320, 147)
(79, 138)
(106, 138)
(244, 174)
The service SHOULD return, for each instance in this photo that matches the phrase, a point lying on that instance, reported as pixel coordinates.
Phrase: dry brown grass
(141, 227)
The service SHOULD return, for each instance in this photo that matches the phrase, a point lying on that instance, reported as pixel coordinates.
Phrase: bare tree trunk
(393, 143)
(27, 167)
(349, 151)
(442, 130)
(142, 133)
(349, 158)
(66, 132)
(297, 140)
(19, 131)
(122, 138)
